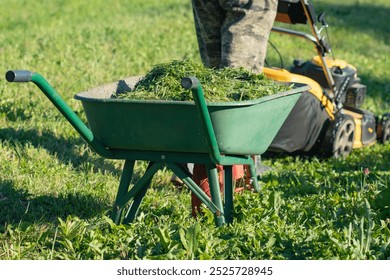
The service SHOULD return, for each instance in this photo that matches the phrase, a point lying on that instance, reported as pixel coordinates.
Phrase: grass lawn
(55, 193)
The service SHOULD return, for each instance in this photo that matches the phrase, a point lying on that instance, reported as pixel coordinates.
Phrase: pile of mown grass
(163, 82)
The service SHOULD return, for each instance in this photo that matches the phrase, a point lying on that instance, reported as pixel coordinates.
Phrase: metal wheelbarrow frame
(210, 156)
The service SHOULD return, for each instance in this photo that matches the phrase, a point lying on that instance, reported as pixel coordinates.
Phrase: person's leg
(231, 33)
(208, 17)
(245, 32)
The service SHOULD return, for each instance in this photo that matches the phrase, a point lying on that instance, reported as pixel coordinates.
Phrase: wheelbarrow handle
(60, 104)
(194, 85)
(190, 82)
(18, 76)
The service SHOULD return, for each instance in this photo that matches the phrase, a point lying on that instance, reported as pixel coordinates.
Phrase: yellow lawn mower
(327, 120)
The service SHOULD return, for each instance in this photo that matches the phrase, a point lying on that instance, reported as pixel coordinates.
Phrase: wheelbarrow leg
(189, 182)
(228, 193)
(212, 174)
(253, 179)
(136, 193)
(124, 184)
(133, 210)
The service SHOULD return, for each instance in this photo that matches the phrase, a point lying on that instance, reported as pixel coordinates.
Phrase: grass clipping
(163, 82)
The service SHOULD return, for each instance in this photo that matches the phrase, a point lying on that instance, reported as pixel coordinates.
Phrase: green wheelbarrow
(170, 133)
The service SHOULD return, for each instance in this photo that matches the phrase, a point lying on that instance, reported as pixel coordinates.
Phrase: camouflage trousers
(234, 33)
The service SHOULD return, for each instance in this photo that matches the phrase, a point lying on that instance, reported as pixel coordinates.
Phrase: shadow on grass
(19, 206)
(56, 146)
(357, 17)
(379, 90)
(332, 171)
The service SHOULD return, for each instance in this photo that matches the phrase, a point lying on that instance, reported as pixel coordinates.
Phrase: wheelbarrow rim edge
(298, 88)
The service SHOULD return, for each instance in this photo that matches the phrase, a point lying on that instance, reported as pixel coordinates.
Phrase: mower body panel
(365, 121)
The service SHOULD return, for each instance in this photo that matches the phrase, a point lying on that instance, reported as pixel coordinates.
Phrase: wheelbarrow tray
(241, 128)
(182, 131)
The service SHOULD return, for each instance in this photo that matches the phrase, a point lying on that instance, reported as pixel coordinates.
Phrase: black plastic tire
(339, 137)
(383, 130)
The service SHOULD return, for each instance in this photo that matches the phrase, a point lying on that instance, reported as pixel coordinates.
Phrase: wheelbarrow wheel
(383, 130)
(339, 137)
